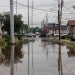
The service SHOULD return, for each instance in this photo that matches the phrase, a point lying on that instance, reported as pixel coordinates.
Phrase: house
(64, 30)
(44, 30)
(53, 29)
(71, 24)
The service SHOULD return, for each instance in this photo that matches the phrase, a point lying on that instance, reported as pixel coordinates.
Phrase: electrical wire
(35, 8)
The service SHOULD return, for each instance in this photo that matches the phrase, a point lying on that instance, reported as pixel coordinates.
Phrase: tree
(6, 17)
(24, 28)
(17, 22)
(6, 52)
(1, 18)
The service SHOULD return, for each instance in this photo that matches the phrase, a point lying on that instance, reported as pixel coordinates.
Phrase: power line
(41, 5)
(45, 5)
(41, 9)
(5, 6)
(70, 2)
(34, 8)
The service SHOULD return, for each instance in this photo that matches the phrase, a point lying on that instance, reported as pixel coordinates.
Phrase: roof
(51, 25)
(63, 27)
(71, 22)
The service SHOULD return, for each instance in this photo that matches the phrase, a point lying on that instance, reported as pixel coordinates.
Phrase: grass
(17, 41)
(2, 41)
(69, 43)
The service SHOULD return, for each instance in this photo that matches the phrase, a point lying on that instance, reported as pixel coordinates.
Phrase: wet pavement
(37, 58)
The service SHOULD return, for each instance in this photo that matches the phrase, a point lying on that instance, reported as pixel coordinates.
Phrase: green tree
(17, 22)
(1, 18)
(6, 52)
(24, 28)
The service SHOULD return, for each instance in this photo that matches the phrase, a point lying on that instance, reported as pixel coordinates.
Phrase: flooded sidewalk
(37, 58)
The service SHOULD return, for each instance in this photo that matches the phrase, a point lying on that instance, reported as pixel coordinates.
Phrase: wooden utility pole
(59, 19)
(60, 4)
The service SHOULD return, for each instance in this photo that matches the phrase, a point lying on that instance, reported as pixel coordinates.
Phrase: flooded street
(36, 58)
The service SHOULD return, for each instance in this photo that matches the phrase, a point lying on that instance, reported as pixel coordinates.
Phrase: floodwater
(37, 58)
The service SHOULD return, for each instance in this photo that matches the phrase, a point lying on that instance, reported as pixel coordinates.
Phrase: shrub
(7, 39)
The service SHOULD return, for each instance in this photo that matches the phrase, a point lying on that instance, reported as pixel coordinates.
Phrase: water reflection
(28, 56)
(53, 46)
(60, 60)
(33, 57)
(71, 51)
(30, 52)
(12, 61)
(38, 60)
(45, 43)
(25, 41)
(5, 55)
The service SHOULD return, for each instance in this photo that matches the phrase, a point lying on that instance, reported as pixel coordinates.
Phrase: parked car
(30, 35)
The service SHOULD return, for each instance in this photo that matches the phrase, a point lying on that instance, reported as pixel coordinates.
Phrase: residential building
(71, 24)
(64, 30)
(53, 29)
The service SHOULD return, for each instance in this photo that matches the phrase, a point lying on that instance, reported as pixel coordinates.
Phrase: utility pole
(32, 16)
(59, 35)
(16, 7)
(28, 40)
(11, 22)
(12, 61)
(46, 19)
(28, 17)
(43, 24)
(32, 39)
(59, 19)
(60, 4)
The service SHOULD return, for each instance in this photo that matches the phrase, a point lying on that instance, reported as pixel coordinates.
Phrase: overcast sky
(51, 7)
